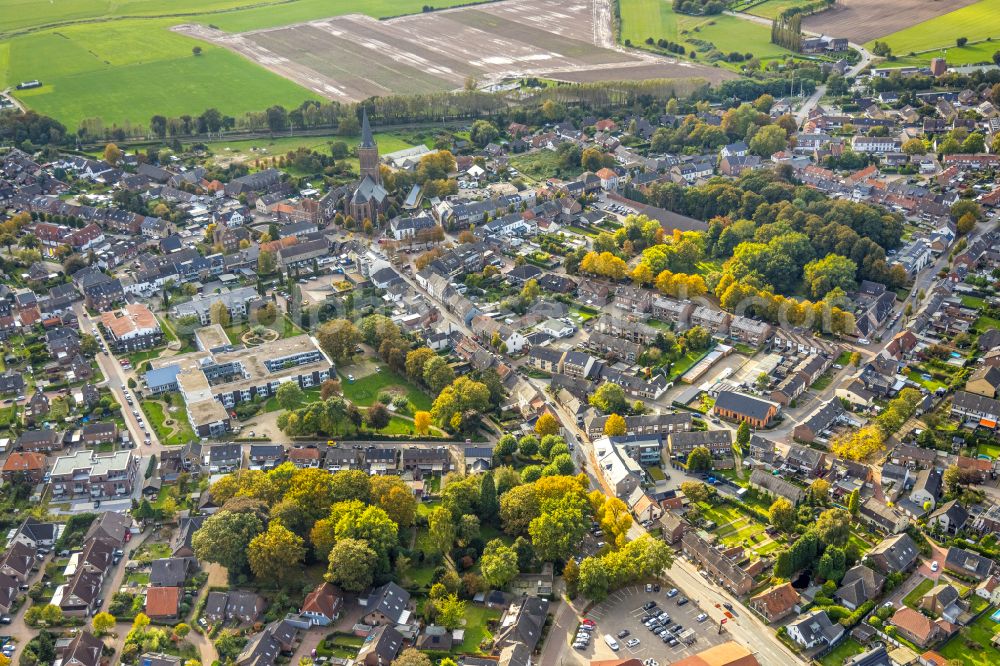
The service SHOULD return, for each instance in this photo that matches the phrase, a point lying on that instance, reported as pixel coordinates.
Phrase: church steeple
(368, 151)
(367, 140)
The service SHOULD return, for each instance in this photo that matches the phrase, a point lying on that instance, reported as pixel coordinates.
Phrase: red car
(589, 623)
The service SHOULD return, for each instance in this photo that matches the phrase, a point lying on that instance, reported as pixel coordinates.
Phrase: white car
(934, 566)
(632, 642)
(702, 617)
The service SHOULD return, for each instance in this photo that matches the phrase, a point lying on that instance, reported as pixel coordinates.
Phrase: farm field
(772, 8)
(641, 19)
(353, 57)
(976, 22)
(862, 21)
(128, 69)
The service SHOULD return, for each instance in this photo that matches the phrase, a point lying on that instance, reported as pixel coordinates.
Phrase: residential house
(237, 606)
(968, 564)
(84, 649)
(263, 649)
(949, 518)
(644, 424)
(976, 409)
(427, 461)
(95, 475)
(388, 604)
(673, 527)
(719, 564)
(163, 603)
(25, 465)
(917, 627)
(170, 571)
(18, 562)
(894, 554)
(266, 456)
(80, 593)
(881, 516)
(718, 442)
(380, 648)
(927, 488)
(776, 486)
(814, 629)
(775, 602)
(858, 585)
(111, 526)
(984, 381)
(805, 461)
(40, 441)
(522, 622)
(322, 606)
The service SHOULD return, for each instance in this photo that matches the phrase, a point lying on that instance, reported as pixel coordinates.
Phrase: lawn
(685, 363)
(288, 330)
(248, 149)
(541, 164)
(929, 384)
(309, 395)
(991, 450)
(973, 302)
(975, 22)
(736, 529)
(476, 618)
(913, 598)
(846, 648)
(131, 68)
(176, 434)
(985, 323)
(583, 312)
(823, 381)
(364, 391)
(980, 632)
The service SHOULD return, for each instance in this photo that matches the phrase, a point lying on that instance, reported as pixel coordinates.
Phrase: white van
(612, 643)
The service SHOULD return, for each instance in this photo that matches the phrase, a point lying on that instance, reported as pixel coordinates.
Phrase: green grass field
(913, 598)
(772, 8)
(365, 390)
(975, 22)
(641, 19)
(846, 648)
(105, 60)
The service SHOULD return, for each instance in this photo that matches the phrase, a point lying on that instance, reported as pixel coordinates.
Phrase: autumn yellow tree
(422, 422)
(547, 425)
(615, 426)
(860, 445)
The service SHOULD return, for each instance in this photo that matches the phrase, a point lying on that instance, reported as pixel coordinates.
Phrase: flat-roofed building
(94, 475)
(213, 382)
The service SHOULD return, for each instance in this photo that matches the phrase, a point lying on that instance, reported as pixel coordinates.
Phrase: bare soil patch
(353, 57)
(864, 20)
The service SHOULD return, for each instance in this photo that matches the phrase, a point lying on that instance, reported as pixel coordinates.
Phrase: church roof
(369, 190)
(367, 140)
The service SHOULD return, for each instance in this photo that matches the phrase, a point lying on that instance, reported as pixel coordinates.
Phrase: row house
(633, 299)
(718, 442)
(716, 322)
(721, 565)
(976, 409)
(633, 331)
(672, 311)
(644, 424)
(613, 348)
(750, 331)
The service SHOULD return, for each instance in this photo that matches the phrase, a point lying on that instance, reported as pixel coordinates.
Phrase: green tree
(830, 272)
(498, 564)
(782, 514)
(276, 553)
(528, 445)
(489, 505)
(854, 502)
(338, 338)
(768, 140)
(743, 434)
(609, 398)
(102, 623)
(505, 447)
(451, 611)
(415, 362)
(225, 537)
(699, 460)
(352, 565)
(557, 532)
(438, 374)
(833, 527)
(441, 528)
(593, 579)
(518, 507)
(289, 395)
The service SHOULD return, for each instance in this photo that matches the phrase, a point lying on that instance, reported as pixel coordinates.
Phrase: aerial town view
(499, 333)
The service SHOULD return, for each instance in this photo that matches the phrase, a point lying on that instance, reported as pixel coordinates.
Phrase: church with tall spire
(370, 198)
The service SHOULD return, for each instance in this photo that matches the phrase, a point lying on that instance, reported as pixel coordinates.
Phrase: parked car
(623, 633)
(682, 601)
(672, 593)
(632, 642)
(702, 617)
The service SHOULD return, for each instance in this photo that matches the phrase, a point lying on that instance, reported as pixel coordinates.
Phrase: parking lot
(623, 611)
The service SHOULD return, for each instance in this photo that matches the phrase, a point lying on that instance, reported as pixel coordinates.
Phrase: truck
(612, 643)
